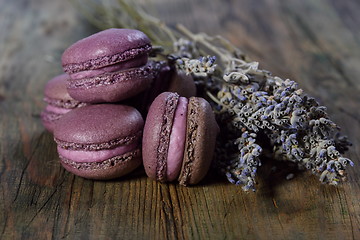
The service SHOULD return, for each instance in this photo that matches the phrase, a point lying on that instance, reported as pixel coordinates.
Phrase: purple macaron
(179, 139)
(100, 141)
(109, 66)
(58, 101)
(182, 83)
(168, 79)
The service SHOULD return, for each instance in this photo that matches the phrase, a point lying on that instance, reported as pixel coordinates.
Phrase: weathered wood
(315, 42)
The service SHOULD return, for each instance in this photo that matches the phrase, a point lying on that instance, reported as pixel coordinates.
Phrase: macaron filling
(73, 67)
(136, 62)
(177, 140)
(83, 156)
(147, 71)
(64, 103)
(57, 110)
(49, 118)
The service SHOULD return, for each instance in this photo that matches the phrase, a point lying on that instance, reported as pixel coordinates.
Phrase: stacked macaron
(109, 66)
(100, 141)
(111, 73)
(58, 101)
(168, 79)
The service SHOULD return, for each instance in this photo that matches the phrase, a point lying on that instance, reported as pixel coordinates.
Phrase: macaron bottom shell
(201, 133)
(111, 168)
(48, 119)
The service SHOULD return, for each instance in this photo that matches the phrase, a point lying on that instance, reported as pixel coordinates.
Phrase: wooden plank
(315, 42)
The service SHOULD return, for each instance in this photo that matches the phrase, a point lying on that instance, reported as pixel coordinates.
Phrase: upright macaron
(58, 101)
(109, 66)
(179, 139)
(168, 79)
(101, 141)
(182, 83)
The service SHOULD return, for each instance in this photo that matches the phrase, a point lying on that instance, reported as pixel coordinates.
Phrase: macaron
(179, 139)
(109, 66)
(168, 79)
(101, 141)
(58, 101)
(182, 83)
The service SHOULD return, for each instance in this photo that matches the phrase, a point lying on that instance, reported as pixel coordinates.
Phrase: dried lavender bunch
(250, 102)
(251, 105)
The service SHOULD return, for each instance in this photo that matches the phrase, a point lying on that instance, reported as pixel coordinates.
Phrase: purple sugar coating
(105, 48)
(115, 86)
(98, 125)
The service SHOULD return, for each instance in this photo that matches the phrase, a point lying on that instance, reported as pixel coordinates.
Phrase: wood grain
(315, 42)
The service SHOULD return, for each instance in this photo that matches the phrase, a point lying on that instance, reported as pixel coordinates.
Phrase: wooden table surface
(314, 42)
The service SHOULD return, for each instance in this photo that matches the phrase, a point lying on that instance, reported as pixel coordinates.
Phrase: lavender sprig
(200, 67)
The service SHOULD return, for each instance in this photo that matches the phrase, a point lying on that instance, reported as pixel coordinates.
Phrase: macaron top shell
(105, 48)
(56, 88)
(102, 126)
(57, 95)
